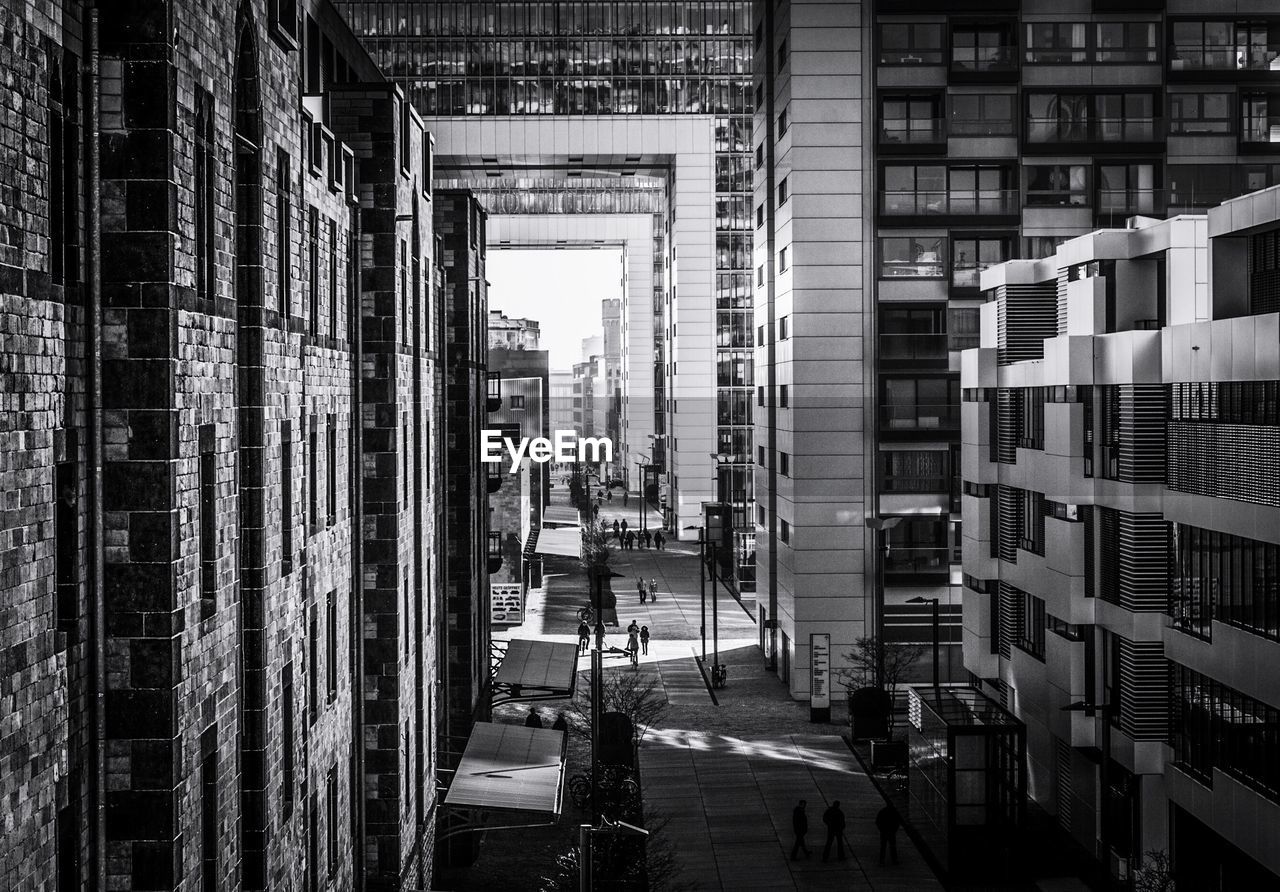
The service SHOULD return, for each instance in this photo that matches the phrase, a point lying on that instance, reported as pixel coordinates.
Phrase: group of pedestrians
(637, 639)
(628, 539)
(647, 592)
(887, 824)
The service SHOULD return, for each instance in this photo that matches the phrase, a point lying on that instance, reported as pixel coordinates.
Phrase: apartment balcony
(913, 135)
(920, 421)
(987, 64)
(1260, 135)
(1096, 135)
(917, 566)
(991, 204)
(1196, 61)
(1115, 206)
(913, 350)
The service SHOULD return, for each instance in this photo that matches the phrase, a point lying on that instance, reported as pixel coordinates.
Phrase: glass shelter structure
(967, 775)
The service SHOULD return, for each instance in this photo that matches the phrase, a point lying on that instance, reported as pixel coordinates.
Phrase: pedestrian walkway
(728, 777)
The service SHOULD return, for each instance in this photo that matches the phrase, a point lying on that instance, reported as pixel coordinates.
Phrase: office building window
(910, 332)
(331, 470)
(759, 216)
(910, 120)
(313, 473)
(1031, 624)
(784, 325)
(783, 192)
(782, 54)
(1223, 46)
(1056, 43)
(1126, 42)
(205, 195)
(784, 531)
(1214, 726)
(913, 257)
(760, 395)
(782, 123)
(331, 639)
(982, 114)
(784, 464)
(209, 873)
(759, 156)
(911, 44)
(66, 533)
(1031, 420)
(313, 270)
(982, 48)
(404, 292)
(1219, 576)
(760, 456)
(970, 256)
(963, 328)
(1091, 117)
(760, 275)
(286, 743)
(783, 402)
(782, 260)
(208, 524)
(1057, 185)
(1198, 114)
(313, 663)
(331, 819)
(286, 496)
(284, 233)
(1031, 522)
(333, 279)
(1128, 188)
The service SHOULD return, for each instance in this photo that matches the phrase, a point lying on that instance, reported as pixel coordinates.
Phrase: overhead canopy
(535, 670)
(560, 514)
(510, 768)
(563, 541)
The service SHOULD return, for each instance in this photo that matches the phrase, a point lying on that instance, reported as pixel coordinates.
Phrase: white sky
(562, 289)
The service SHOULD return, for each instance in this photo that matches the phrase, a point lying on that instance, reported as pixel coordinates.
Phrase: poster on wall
(506, 603)
(819, 677)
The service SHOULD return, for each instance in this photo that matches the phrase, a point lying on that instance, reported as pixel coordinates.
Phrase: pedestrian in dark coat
(584, 637)
(617, 530)
(534, 720)
(658, 540)
(560, 724)
(629, 541)
(624, 528)
(800, 825)
(833, 817)
(644, 639)
(888, 822)
(641, 589)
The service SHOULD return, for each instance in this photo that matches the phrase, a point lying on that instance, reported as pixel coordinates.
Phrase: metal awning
(563, 541)
(560, 514)
(510, 768)
(535, 670)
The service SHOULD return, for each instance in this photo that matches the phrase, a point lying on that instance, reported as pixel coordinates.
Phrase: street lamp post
(880, 525)
(936, 630)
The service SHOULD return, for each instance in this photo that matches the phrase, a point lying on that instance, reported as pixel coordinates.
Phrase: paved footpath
(727, 776)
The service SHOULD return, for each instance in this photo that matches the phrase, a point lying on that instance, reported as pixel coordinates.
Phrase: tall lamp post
(880, 525)
(919, 600)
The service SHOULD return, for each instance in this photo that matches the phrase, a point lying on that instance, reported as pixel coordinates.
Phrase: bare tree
(1155, 874)
(616, 858)
(595, 551)
(869, 654)
(636, 695)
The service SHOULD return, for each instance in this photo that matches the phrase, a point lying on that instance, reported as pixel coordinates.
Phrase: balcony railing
(1260, 130)
(936, 204)
(985, 59)
(972, 127)
(913, 346)
(912, 131)
(1113, 130)
(1197, 57)
(899, 561)
(923, 416)
(900, 484)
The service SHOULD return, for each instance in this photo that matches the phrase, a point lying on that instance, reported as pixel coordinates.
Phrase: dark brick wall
(460, 222)
(186, 687)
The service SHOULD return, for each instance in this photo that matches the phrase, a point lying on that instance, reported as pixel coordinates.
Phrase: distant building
(560, 404)
(513, 334)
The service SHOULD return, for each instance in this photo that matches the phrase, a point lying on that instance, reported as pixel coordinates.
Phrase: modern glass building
(572, 59)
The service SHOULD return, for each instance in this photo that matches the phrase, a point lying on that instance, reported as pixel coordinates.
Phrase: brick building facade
(219, 551)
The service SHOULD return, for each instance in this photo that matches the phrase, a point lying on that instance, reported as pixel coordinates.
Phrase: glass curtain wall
(599, 58)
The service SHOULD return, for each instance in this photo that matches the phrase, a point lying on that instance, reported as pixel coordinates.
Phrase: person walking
(833, 817)
(888, 822)
(595, 510)
(644, 640)
(617, 530)
(641, 589)
(533, 720)
(633, 646)
(584, 637)
(625, 498)
(599, 636)
(560, 724)
(624, 526)
(629, 541)
(658, 540)
(608, 497)
(648, 538)
(800, 826)
(653, 589)
(634, 628)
